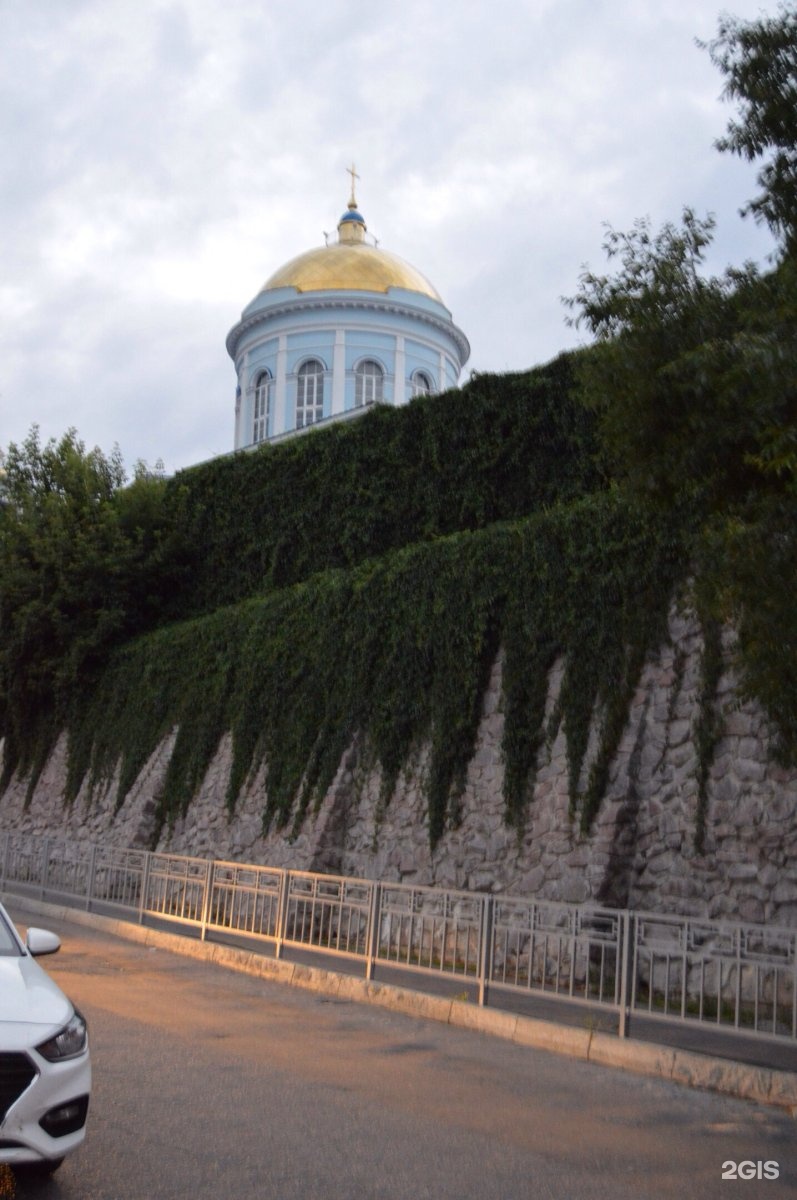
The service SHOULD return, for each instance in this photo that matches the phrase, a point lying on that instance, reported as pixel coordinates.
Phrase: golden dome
(349, 267)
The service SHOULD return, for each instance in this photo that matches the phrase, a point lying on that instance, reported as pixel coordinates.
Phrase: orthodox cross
(354, 175)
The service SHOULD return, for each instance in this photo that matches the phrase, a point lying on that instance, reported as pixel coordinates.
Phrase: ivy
(397, 649)
(499, 449)
(359, 581)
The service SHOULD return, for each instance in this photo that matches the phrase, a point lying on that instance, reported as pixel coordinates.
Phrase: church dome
(349, 266)
(336, 330)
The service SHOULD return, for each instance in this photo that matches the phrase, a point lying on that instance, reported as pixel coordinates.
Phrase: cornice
(305, 304)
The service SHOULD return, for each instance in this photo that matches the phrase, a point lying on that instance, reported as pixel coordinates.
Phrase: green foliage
(499, 449)
(396, 649)
(759, 61)
(695, 385)
(749, 575)
(690, 377)
(694, 382)
(80, 568)
(370, 618)
(371, 570)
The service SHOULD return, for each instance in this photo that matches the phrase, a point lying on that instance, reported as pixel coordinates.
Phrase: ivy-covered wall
(501, 448)
(360, 580)
(397, 650)
(640, 852)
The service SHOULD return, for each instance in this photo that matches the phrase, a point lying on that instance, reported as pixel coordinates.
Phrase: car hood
(29, 997)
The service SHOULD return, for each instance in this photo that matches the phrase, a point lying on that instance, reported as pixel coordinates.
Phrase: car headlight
(69, 1043)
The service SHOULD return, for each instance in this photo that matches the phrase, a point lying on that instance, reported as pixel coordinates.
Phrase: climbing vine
(360, 581)
(397, 649)
(499, 449)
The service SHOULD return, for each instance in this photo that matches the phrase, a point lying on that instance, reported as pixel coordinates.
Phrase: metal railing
(739, 978)
(734, 976)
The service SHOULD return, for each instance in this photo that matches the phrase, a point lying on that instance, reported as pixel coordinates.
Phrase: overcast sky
(161, 158)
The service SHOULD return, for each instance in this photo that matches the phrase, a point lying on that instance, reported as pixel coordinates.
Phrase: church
(336, 329)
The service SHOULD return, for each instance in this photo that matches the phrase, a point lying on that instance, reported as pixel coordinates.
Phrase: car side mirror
(41, 941)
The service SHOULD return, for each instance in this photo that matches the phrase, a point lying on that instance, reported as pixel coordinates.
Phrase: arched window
(369, 381)
(309, 393)
(262, 409)
(421, 384)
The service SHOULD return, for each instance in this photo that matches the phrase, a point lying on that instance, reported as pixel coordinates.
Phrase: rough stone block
(752, 910)
(737, 724)
(683, 760)
(742, 871)
(751, 748)
(530, 883)
(679, 732)
(749, 771)
(574, 890)
(784, 892)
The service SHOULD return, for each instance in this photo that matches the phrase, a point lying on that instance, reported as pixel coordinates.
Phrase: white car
(45, 1073)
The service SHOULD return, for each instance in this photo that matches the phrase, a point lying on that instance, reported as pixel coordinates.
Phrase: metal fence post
(90, 881)
(486, 949)
(282, 914)
(208, 898)
(374, 920)
(6, 847)
(44, 868)
(625, 959)
(142, 900)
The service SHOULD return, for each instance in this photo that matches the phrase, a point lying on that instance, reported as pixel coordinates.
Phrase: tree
(82, 564)
(759, 61)
(694, 379)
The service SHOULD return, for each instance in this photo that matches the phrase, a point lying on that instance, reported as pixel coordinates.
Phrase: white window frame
(421, 384)
(369, 382)
(262, 407)
(309, 393)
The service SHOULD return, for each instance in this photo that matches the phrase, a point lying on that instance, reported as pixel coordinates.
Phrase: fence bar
(44, 868)
(282, 914)
(206, 899)
(142, 900)
(486, 949)
(90, 876)
(737, 977)
(374, 916)
(626, 926)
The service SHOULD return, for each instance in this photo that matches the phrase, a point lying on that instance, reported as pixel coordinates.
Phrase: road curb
(687, 1068)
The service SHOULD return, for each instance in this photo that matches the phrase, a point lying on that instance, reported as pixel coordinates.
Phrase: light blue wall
(307, 327)
(423, 358)
(301, 346)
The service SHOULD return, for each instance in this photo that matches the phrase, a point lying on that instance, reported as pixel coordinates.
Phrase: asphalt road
(213, 1084)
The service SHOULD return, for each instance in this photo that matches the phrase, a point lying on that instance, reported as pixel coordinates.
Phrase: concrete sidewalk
(760, 1084)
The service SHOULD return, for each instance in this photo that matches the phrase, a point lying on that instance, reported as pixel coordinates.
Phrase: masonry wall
(640, 852)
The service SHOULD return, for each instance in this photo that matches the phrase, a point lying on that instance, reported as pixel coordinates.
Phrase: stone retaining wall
(640, 852)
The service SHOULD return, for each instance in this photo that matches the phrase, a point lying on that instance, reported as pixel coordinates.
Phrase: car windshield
(8, 943)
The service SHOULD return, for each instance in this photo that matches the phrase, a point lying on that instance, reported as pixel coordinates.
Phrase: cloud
(162, 159)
